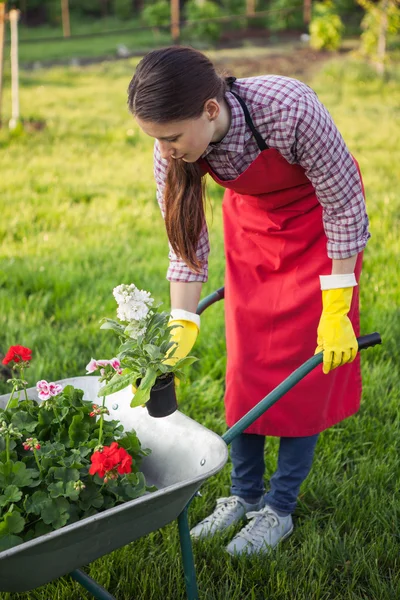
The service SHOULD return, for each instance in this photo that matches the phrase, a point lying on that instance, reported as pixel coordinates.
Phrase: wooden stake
(175, 18)
(2, 28)
(13, 16)
(65, 18)
(250, 7)
(307, 11)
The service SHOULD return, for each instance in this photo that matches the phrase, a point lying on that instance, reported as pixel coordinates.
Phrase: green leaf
(74, 460)
(21, 476)
(111, 324)
(11, 494)
(41, 529)
(34, 504)
(185, 362)
(55, 512)
(13, 404)
(90, 497)
(65, 475)
(143, 392)
(130, 442)
(9, 541)
(5, 474)
(24, 421)
(72, 397)
(152, 351)
(45, 417)
(141, 397)
(79, 430)
(134, 485)
(62, 489)
(117, 383)
(12, 522)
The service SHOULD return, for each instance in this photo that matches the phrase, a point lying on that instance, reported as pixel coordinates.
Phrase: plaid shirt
(291, 119)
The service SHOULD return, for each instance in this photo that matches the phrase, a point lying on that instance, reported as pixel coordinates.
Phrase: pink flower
(102, 363)
(91, 367)
(43, 389)
(47, 390)
(116, 365)
(94, 365)
(55, 389)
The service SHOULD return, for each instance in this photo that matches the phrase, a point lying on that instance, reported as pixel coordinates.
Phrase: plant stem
(8, 447)
(101, 422)
(37, 462)
(22, 378)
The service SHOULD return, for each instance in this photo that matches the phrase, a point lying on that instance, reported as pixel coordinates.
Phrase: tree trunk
(250, 7)
(307, 11)
(65, 18)
(175, 18)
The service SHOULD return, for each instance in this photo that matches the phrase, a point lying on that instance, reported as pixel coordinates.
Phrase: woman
(294, 224)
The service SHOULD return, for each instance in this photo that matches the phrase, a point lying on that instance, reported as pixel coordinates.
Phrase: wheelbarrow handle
(365, 341)
(211, 299)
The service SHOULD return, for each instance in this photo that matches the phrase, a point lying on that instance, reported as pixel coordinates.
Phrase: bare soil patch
(298, 62)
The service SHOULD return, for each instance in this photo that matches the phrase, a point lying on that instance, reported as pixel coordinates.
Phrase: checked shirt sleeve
(317, 145)
(178, 269)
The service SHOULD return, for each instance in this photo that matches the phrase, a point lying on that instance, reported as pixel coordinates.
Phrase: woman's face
(187, 139)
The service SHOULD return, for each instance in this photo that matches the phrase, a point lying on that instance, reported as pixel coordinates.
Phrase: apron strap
(257, 136)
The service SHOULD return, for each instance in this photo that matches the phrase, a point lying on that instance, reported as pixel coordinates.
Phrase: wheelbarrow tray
(183, 454)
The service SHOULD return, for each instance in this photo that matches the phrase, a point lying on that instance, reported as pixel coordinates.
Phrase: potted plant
(146, 353)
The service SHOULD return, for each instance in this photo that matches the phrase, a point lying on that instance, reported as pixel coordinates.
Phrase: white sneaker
(263, 532)
(228, 511)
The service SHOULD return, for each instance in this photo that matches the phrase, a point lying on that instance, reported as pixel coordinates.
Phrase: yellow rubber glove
(335, 335)
(185, 335)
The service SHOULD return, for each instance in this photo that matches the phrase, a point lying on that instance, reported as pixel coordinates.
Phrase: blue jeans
(294, 463)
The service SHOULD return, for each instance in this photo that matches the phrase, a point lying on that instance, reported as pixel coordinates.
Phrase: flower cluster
(31, 444)
(48, 390)
(9, 430)
(93, 365)
(99, 410)
(17, 354)
(79, 485)
(110, 461)
(133, 304)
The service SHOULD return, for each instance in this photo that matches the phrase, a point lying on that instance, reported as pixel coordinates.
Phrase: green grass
(79, 216)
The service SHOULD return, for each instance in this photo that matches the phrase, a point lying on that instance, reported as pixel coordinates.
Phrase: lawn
(79, 216)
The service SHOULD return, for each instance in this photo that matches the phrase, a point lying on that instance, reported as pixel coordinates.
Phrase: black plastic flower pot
(162, 400)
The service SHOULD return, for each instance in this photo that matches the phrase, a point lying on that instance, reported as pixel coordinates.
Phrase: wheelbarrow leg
(91, 585)
(187, 556)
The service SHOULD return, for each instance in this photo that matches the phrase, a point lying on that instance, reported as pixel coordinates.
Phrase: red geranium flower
(109, 460)
(17, 354)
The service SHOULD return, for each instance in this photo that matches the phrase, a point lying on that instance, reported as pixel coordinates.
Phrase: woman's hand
(335, 335)
(184, 334)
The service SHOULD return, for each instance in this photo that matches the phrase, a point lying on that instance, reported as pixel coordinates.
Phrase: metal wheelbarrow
(184, 454)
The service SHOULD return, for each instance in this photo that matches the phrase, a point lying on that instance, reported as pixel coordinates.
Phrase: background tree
(381, 20)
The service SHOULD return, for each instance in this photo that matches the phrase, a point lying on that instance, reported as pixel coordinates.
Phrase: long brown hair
(173, 84)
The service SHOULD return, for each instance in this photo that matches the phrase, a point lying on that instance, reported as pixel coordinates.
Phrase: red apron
(275, 248)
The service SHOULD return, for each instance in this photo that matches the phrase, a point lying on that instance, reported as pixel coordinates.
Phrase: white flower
(133, 304)
(134, 330)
